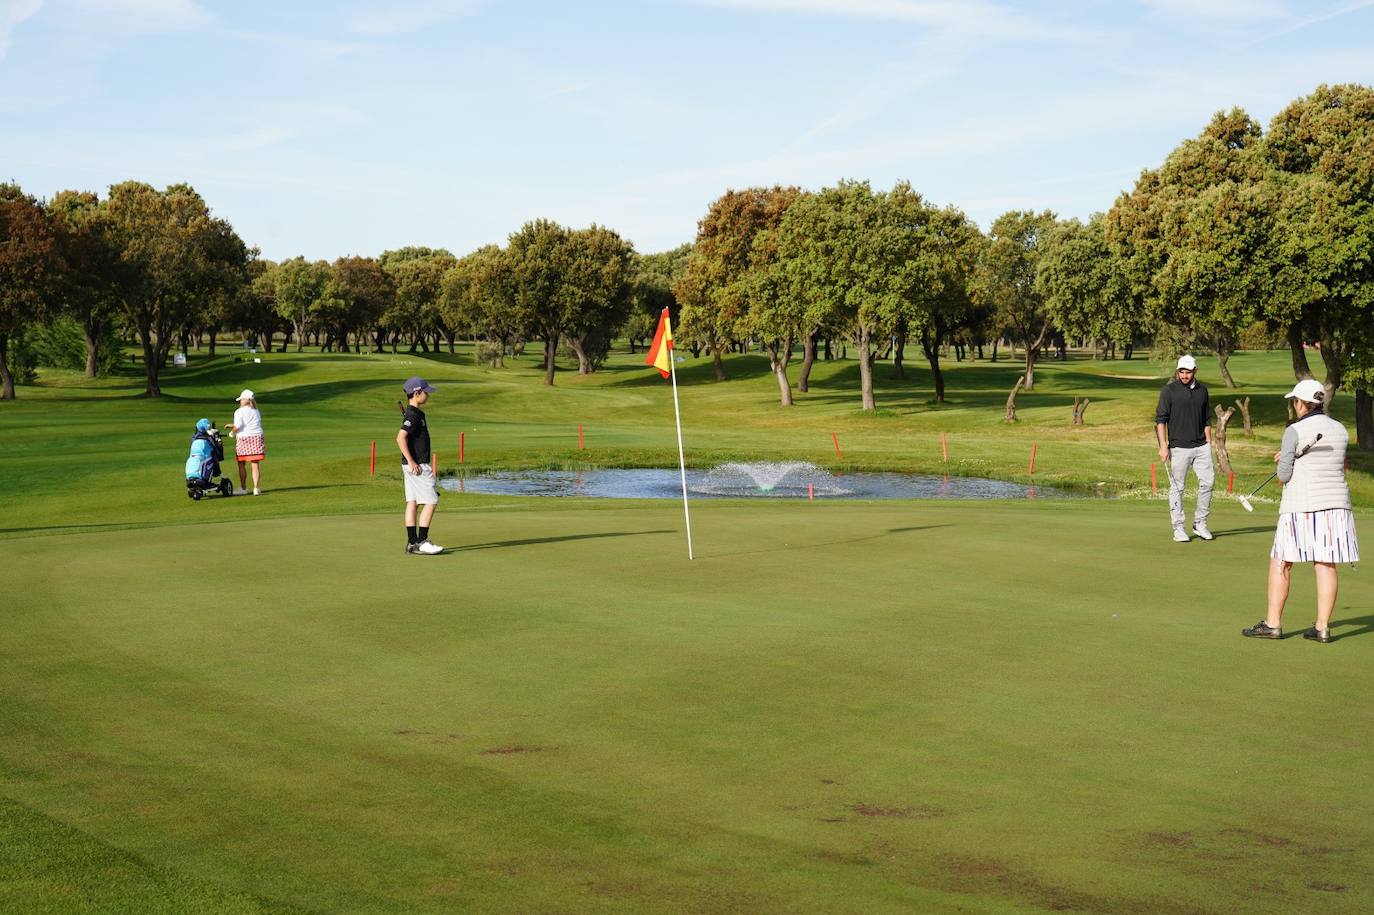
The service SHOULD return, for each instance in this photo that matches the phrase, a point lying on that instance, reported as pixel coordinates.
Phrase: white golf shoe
(1200, 530)
(1180, 536)
(428, 549)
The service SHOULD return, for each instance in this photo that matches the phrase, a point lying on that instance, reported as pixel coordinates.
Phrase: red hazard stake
(836, 440)
(1031, 471)
(462, 444)
(1154, 480)
(579, 436)
(1231, 481)
(372, 462)
(810, 492)
(944, 448)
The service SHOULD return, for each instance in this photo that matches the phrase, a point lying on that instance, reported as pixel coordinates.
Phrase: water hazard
(772, 480)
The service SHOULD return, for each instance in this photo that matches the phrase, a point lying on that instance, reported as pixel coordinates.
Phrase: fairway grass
(263, 705)
(836, 707)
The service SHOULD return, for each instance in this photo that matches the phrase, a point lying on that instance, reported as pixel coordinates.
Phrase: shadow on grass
(1366, 624)
(785, 547)
(1235, 531)
(535, 541)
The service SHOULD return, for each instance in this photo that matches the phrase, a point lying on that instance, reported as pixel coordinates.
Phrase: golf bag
(207, 450)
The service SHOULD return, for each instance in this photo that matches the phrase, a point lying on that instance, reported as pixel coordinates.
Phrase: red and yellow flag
(661, 350)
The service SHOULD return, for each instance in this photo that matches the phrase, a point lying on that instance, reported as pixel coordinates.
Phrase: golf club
(1245, 500)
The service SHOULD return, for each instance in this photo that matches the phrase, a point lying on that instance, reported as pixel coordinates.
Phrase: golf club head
(1245, 504)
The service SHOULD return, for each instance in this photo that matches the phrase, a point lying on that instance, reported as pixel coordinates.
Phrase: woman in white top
(1316, 524)
(248, 442)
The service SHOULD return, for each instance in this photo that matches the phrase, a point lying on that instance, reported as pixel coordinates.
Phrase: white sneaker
(256, 491)
(240, 492)
(429, 549)
(1180, 536)
(1201, 530)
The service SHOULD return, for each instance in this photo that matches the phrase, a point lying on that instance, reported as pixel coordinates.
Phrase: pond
(764, 480)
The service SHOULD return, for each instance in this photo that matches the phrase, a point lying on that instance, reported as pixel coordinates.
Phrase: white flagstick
(681, 460)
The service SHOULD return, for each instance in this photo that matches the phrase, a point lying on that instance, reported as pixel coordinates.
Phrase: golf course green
(264, 705)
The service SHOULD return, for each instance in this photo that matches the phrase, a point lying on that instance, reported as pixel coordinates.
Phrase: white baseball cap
(1309, 390)
(246, 395)
(1186, 362)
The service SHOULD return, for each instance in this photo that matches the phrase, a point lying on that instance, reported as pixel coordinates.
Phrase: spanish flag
(661, 350)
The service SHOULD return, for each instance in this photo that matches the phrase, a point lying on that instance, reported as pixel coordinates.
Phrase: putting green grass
(263, 705)
(836, 707)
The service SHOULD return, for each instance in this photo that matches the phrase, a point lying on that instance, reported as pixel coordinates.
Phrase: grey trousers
(1200, 460)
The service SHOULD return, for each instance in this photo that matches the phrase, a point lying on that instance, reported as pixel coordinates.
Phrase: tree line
(1240, 233)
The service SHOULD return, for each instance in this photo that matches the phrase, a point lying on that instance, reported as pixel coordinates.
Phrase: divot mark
(506, 751)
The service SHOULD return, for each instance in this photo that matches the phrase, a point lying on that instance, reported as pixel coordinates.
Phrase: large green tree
(536, 260)
(1084, 286)
(657, 275)
(714, 287)
(174, 257)
(367, 291)
(1322, 147)
(27, 242)
(478, 300)
(298, 284)
(87, 270)
(1006, 281)
(596, 291)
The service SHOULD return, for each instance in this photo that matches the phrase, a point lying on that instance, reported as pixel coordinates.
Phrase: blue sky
(328, 129)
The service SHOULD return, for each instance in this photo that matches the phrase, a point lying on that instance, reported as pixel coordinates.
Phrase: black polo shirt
(1186, 410)
(417, 434)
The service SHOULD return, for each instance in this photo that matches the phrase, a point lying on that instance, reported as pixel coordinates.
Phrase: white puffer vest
(1318, 481)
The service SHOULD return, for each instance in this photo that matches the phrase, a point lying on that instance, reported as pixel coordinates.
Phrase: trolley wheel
(195, 494)
(226, 488)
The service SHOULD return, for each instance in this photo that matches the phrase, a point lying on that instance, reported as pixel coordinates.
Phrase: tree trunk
(865, 368)
(152, 362)
(1301, 369)
(584, 365)
(898, 351)
(1079, 410)
(715, 358)
(779, 354)
(829, 351)
(930, 347)
(808, 359)
(1219, 439)
(1244, 406)
(1030, 368)
(1223, 356)
(300, 335)
(994, 351)
(550, 352)
(92, 333)
(1364, 419)
(1010, 415)
(214, 332)
(6, 379)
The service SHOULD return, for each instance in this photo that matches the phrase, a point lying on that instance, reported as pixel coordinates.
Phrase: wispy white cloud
(136, 17)
(990, 21)
(401, 18)
(1336, 13)
(14, 13)
(305, 45)
(1231, 12)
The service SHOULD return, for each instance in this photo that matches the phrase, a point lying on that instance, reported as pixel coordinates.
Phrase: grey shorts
(420, 487)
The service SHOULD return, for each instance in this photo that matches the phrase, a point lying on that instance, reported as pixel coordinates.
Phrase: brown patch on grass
(1170, 839)
(827, 781)
(444, 886)
(839, 857)
(1283, 843)
(1326, 887)
(507, 751)
(433, 736)
(834, 819)
(919, 812)
(977, 873)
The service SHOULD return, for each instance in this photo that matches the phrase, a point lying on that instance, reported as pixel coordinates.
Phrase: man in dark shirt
(413, 440)
(1183, 426)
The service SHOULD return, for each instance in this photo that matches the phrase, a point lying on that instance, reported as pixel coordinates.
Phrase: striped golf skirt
(248, 447)
(1324, 536)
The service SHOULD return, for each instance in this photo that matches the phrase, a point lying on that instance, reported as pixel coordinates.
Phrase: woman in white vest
(1315, 521)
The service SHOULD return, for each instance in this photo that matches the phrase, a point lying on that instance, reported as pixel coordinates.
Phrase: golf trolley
(207, 450)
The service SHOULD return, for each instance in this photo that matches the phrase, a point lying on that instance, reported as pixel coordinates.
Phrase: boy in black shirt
(413, 440)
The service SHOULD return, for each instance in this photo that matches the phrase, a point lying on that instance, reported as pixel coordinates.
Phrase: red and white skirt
(1324, 536)
(248, 448)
